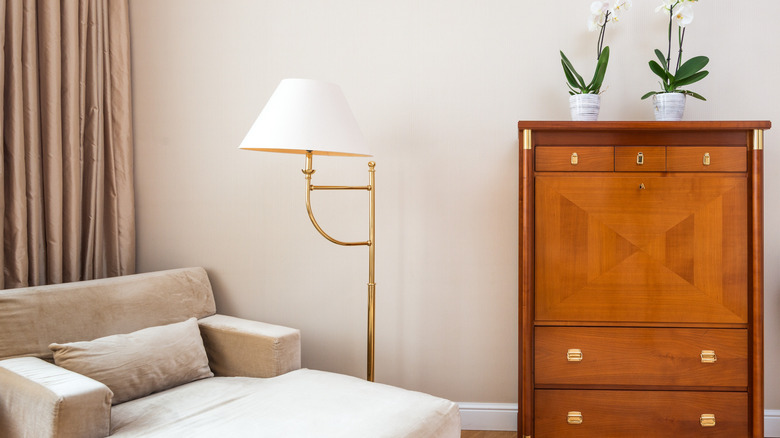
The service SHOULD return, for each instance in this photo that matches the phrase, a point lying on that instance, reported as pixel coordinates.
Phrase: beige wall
(437, 87)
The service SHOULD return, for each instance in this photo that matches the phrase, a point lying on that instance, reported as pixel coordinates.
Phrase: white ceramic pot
(669, 106)
(585, 106)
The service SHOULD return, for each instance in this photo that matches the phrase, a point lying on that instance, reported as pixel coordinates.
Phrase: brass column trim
(527, 139)
(371, 284)
(758, 139)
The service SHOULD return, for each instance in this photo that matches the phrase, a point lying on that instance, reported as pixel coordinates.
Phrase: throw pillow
(137, 364)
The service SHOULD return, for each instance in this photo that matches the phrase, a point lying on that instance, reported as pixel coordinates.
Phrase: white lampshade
(307, 115)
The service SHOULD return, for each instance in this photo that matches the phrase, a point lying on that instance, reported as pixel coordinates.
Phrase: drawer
(694, 159)
(641, 357)
(640, 158)
(649, 414)
(575, 159)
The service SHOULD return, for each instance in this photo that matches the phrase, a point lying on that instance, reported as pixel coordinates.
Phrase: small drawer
(575, 159)
(706, 159)
(619, 356)
(640, 158)
(649, 414)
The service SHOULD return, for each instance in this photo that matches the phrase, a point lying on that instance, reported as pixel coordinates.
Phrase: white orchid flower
(598, 17)
(683, 14)
(621, 6)
(599, 11)
(595, 22)
(599, 7)
(667, 5)
(617, 10)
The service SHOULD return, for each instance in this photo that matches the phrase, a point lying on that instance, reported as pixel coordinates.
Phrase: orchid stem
(681, 34)
(601, 36)
(669, 50)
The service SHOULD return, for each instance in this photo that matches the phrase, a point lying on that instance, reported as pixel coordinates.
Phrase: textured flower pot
(669, 106)
(585, 106)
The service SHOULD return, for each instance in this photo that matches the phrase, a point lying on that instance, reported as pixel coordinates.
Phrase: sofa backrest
(32, 318)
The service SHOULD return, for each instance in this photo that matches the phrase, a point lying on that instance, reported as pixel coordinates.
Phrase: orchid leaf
(661, 58)
(568, 64)
(660, 72)
(691, 67)
(692, 94)
(649, 94)
(601, 71)
(691, 79)
(572, 82)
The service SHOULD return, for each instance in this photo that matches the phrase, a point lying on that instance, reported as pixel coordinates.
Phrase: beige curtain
(67, 158)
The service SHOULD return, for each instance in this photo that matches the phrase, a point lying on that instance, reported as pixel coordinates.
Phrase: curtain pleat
(15, 262)
(51, 123)
(68, 207)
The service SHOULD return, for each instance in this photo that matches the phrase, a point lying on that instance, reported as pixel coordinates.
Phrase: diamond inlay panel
(641, 249)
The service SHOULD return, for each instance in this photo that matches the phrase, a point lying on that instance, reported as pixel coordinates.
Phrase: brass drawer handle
(574, 417)
(707, 420)
(706, 159)
(640, 158)
(708, 356)
(574, 355)
(575, 159)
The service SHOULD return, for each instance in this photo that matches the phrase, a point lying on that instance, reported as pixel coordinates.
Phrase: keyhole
(642, 186)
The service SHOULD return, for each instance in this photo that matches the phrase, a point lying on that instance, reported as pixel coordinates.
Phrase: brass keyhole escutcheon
(640, 159)
(706, 159)
(575, 159)
(642, 186)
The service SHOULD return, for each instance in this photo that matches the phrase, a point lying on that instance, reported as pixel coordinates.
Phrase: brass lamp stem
(370, 243)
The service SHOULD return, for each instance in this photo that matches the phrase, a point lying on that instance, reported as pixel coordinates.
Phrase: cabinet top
(645, 125)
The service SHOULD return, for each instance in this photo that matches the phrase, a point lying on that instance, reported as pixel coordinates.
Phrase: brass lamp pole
(370, 243)
(302, 113)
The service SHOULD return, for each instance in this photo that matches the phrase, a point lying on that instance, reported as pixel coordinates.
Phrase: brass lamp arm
(309, 188)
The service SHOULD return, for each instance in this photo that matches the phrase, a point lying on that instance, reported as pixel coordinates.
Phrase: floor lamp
(311, 117)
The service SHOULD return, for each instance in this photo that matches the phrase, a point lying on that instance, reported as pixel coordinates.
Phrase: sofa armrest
(240, 347)
(40, 399)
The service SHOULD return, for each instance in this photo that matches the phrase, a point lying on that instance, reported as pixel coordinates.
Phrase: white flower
(595, 22)
(598, 17)
(667, 5)
(620, 7)
(683, 14)
(599, 7)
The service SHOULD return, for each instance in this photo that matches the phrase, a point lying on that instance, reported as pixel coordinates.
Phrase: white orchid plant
(680, 13)
(601, 15)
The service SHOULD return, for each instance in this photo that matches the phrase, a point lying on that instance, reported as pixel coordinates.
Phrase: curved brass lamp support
(370, 243)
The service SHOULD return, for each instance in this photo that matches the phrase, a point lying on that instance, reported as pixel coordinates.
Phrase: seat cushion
(302, 403)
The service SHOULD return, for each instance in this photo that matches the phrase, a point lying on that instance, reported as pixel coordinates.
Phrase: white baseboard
(488, 416)
(503, 416)
(771, 423)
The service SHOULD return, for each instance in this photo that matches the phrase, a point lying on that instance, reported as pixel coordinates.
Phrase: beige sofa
(151, 344)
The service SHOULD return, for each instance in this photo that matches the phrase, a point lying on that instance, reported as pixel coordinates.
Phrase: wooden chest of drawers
(641, 276)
